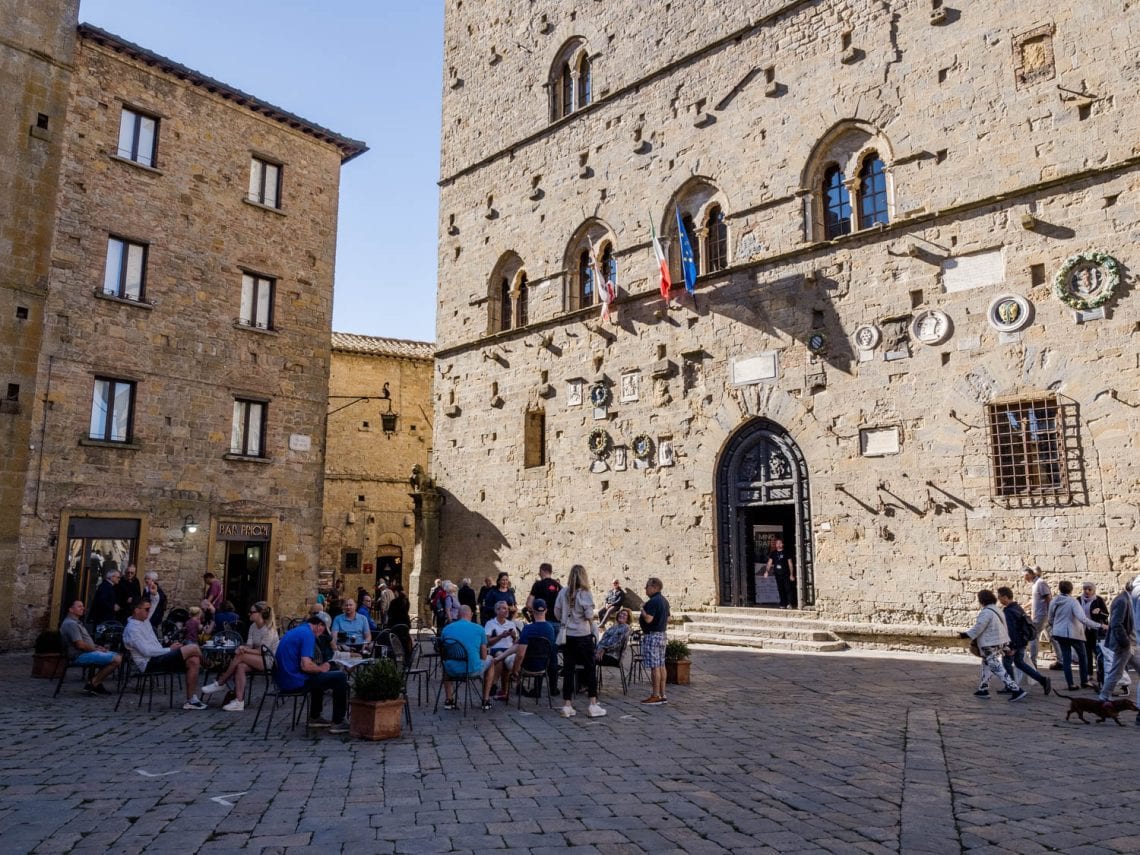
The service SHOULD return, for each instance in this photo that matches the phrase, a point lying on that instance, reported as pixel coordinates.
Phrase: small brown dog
(1094, 706)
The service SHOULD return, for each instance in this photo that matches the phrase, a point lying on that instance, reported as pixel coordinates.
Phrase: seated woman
(609, 648)
(192, 629)
(248, 656)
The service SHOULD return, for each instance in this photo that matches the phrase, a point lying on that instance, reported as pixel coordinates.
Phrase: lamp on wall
(388, 419)
(188, 525)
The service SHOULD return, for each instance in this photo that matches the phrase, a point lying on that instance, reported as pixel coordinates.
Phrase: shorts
(653, 649)
(483, 666)
(94, 657)
(171, 661)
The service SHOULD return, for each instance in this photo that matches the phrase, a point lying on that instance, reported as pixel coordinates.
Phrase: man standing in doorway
(783, 567)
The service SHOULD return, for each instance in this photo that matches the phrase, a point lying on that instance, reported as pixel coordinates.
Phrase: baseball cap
(539, 605)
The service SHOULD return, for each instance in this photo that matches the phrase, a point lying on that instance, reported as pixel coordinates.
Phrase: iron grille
(1034, 453)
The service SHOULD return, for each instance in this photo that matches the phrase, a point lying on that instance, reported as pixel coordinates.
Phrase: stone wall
(181, 344)
(368, 507)
(1006, 135)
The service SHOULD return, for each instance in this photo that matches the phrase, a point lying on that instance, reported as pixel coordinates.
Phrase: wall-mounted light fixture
(188, 525)
(388, 420)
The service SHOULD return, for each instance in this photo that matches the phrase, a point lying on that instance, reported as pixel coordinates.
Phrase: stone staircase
(770, 629)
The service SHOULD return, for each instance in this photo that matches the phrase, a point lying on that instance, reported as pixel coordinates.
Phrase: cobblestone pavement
(762, 753)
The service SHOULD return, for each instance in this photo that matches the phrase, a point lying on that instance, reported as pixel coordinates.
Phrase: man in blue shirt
(473, 638)
(654, 621)
(519, 657)
(352, 625)
(296, 669)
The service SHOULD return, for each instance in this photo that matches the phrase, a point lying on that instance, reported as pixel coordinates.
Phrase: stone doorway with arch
(390, 564)
(762, 492)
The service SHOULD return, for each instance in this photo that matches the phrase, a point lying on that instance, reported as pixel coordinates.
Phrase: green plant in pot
(48, 660)
(677, 662)
(377, 701)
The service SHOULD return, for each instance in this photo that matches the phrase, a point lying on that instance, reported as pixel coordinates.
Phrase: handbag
(561, 640)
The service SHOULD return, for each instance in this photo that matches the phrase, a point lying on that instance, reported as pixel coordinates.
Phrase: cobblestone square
(764, 752)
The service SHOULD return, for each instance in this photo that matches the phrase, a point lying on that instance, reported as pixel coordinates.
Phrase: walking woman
(575, 611)
(992, 636)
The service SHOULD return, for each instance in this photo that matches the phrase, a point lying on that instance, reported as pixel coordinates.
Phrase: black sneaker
(982, 693)
(450, 705)
(100, 689)
(1056, 666)
(487, 704)
(319, 722)
(339, 727)
(1004, 691)
(1019, 695)
(1047, 686)
(88, 689)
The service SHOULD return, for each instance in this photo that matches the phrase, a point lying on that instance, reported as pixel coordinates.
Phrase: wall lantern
(388, 419)
(188, 525)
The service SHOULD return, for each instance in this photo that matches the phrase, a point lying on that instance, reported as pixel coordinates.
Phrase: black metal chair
(539, 655)
(145, 680)
(637, 660)
(69, 663)
(279, 695)
(451, 650)
(109, 634)
(617, 662)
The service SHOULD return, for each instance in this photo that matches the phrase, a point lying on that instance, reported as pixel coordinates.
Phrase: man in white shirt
(1040, 596)
(501, 636)
(150, 656)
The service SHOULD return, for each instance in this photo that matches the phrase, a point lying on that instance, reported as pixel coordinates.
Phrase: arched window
(608, 263)
(694, 239)
(582, 282)
(716, 240)
(585, 281)
(872, 192)
(583, 82)
(504, 304)
(836, 204)
(521, 308)
(566, 85)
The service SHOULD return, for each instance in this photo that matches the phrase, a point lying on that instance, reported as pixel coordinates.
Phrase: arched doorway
(390, 564)
(762, 492)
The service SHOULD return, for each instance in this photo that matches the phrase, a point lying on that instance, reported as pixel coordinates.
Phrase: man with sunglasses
(150, 656)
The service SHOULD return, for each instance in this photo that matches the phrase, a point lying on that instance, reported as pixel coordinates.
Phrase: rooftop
(374, 346)
(349, 148)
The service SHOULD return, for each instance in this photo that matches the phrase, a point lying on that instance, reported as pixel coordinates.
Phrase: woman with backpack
(991, 635)
(1021, 632)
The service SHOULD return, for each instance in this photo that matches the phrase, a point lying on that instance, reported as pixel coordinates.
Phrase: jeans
(1068, 645)
(1017, 660)
(579, 650)
(318, 684)
(1120, 660)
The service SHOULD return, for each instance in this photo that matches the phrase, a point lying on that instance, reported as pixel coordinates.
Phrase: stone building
(379, 427)
(176, 413)
(913, 346)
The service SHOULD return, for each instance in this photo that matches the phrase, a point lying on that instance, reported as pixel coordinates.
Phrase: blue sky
(368, 69)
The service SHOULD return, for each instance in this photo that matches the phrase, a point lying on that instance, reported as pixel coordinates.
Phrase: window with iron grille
(717, 240)
(1029, 439)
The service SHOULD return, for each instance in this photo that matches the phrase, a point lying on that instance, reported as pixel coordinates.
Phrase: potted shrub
(677, 662)
(376, 706)
(48, 660)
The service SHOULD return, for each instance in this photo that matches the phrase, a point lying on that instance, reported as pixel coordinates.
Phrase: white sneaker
(596, 711)
(568, 711)
(212, 689)
(235, 705)
(194, 704)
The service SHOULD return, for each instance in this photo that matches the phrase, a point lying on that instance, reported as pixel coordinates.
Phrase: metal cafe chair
(538, 654)
(451, 650)
(279, 695)
(144, 681)
(618, 663)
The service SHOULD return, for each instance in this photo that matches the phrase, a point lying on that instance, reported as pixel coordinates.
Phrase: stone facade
(1003, 136)
(369, 525)
(180, 490)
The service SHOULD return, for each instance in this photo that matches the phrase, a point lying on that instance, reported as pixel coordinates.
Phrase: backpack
(1022, 631)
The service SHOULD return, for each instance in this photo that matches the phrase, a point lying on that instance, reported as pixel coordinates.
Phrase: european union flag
(688, 263)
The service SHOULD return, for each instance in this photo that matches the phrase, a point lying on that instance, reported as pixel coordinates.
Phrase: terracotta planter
(375, 719)
(677, 671)
(48, 665)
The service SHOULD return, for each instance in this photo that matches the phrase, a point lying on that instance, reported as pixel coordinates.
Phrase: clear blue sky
(367, 69)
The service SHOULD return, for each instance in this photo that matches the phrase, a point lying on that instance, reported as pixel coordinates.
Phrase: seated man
(296, 668)
(150, 656)
(474, 641)
(365, 609)
(350, 628)
(517, 658)
(615, 596)
(82, 650)
(502, 633)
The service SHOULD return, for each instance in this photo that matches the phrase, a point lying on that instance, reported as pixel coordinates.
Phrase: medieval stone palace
(912, 348)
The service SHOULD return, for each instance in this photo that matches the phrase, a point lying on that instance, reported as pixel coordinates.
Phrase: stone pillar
(425, 569)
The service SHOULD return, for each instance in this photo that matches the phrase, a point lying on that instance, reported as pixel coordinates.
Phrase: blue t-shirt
(658, 607)
(472, 637)
(294, 645)
(353, 629)
(538, 629)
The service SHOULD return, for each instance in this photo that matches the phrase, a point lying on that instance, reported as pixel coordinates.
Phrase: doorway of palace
(762, 494)
(390, 564)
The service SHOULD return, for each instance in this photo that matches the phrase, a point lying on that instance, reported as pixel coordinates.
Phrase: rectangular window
(1027, 447)
(265, 182)
(534, 439)
(125, 273)
(138, 137)
(248, 435)
(351, 561)
(257, 301)
(112, 408)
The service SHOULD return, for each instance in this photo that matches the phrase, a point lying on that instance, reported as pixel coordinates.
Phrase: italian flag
(662, 263)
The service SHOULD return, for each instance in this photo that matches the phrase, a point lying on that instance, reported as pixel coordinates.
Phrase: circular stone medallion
(1087, 280)
(817, 342)
(931, 327)
(1009, 313)
(867, 337)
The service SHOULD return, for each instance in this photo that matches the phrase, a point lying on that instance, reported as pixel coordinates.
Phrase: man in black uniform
(546, 589)
(781, 564)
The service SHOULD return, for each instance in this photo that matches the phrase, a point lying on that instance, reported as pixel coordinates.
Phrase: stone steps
(758, 628)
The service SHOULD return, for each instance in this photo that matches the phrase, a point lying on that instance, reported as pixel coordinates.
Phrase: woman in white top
(574, 609)
(248, 658)
(992, 635)
(1068, 621)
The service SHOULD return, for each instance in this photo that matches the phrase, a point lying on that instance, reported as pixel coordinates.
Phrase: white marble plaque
(300, 442)
(630, 386)
(979, 270)
(878, 442)
(574, 393)
(621, 454)
(1085, 315)
(755, 369)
